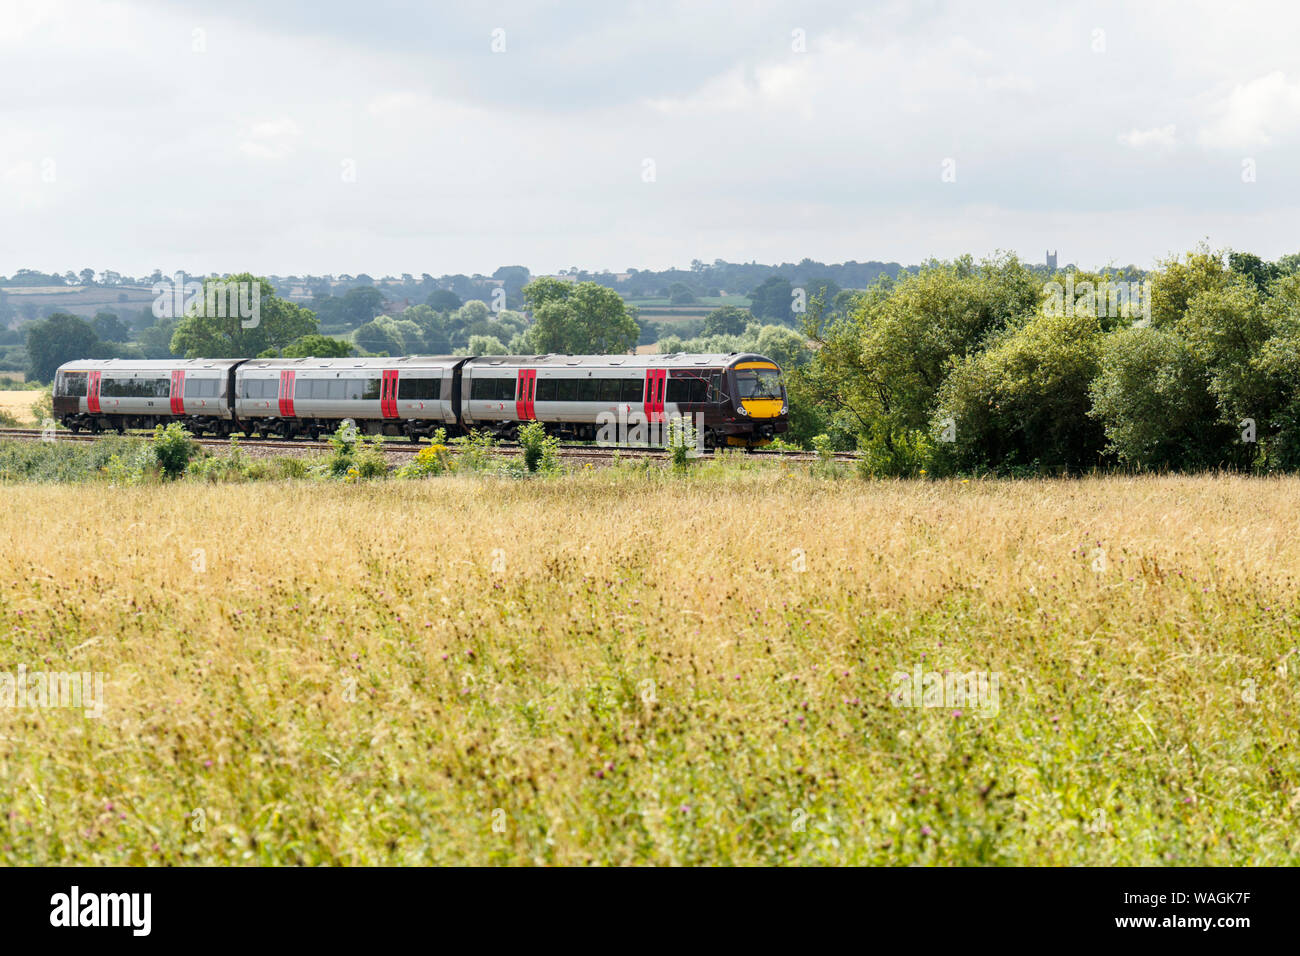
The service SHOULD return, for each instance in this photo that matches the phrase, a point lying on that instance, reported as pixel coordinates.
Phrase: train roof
(671, 360)
(146, 365)
(397, 361)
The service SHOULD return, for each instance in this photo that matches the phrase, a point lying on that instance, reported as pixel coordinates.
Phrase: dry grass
(647, 676)
(19, 403)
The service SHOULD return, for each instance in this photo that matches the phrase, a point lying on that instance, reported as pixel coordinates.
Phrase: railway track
(403, 448)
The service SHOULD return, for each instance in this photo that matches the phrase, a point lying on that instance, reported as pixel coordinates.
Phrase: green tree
(109, 327)
(443, 300)
(380, 337)
(772, 300)
(61, 338)
(727, 320)
(679, 293)
(579, 319)
(360, 304)
(1023, 400)
(1152, 396)
(278, 323)
(316, 345)
(486, 345)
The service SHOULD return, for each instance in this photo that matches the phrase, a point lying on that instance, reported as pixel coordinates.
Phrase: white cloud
(1253, 114)
(1156, 138)
(271, 139)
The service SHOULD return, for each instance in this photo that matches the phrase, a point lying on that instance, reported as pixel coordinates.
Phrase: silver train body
(739, 398)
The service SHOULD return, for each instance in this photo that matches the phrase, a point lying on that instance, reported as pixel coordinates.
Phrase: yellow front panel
(763, 407)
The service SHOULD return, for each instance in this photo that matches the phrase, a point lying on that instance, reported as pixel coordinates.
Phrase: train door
(655, 379)
(526, 397)
(388, 394)
(178, 392)
(92, 394)
(286, 393)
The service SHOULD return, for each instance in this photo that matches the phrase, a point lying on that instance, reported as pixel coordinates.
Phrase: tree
(772, 300)
(1152, 396)
(87, 276)
(156, 340)
(680, 294)
(1253, 268)
(109, 327)
(486, 345)
(728, 320)
(1023, 400)
(475, 310)
(514, 278)
(278, 323)
(316, 345)
(379, 337)
(443, 300)
(578, 319)
(61, 338)
(360, 304)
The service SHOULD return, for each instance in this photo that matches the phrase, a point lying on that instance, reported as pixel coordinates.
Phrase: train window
(609, 390)
(716, 393)
(336, 390)
(586, 389)
(135, 388)
(201, 388)
(371, 388)
(485, 389)
(72, 384)
(420, 389)
(261, 388)
(566, 390)
(633, 390)
(679, 391)
(307, 388)
(545, 390)
(759, 383)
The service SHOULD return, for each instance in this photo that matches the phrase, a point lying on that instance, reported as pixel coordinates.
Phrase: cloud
(272, 139)
(1156, 138)
(1254, 114)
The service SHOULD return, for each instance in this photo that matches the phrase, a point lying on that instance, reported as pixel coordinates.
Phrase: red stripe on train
(178, 392)
(286, 393)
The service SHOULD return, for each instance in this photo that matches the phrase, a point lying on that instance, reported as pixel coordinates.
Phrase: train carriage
(124, 393)
(412, 395)
(735, 398)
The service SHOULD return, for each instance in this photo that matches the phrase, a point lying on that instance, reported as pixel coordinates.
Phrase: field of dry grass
(19, 403)
(621, 668)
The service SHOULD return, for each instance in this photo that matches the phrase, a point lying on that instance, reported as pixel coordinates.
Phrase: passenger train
(739, 398)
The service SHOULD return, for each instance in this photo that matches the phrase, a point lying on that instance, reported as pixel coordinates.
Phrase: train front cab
(758, 408)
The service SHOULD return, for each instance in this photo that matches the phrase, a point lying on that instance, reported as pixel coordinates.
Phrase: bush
(133, 467)
(540, 451)
(681, 443)
(1152, 397)
(477, 452)
(906, 453)
(432, 460)
(174, 447)
(1024, 400)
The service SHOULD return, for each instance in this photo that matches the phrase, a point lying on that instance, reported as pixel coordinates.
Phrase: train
(736, 399)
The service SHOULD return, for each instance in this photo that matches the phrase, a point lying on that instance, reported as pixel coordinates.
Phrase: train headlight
(741, 410)
(785, 409)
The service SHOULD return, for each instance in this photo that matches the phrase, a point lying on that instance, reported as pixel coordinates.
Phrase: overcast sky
(387, 137)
